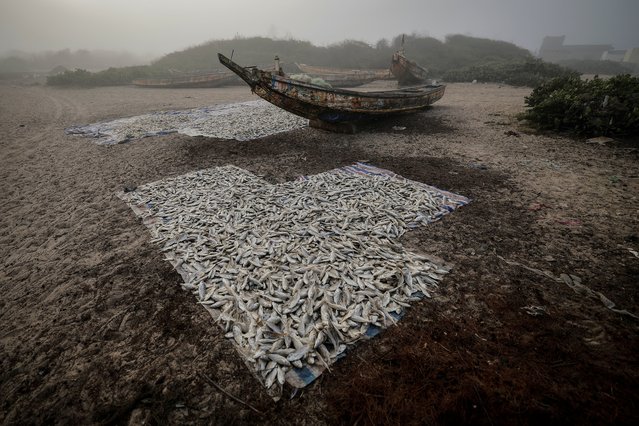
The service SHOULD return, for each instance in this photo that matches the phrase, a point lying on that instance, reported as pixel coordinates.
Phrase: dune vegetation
(456, 52)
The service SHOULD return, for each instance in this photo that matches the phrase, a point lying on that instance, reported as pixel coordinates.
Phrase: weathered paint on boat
(333, 105)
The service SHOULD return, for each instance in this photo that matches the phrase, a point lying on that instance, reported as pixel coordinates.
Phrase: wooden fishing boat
(195, 81)
(406, 71)
(329, 105)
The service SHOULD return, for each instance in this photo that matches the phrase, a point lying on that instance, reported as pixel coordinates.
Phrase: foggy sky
(163, 26)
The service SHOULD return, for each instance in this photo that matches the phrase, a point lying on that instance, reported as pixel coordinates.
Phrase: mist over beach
(287, 212)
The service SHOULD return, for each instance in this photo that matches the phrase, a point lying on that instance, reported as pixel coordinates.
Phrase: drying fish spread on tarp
(240, 121)
(295, 272)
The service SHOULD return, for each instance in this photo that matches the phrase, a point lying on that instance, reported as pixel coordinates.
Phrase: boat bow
(249, 74)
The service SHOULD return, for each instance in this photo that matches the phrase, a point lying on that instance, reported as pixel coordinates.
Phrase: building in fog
(632, 56)
(614, 55)
(553, 49)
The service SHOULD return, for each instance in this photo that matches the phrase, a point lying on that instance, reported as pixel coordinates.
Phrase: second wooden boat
(195, 81)
(406, 71)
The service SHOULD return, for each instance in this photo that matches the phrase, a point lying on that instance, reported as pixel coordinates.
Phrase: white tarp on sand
(295, 272)
(239, 121)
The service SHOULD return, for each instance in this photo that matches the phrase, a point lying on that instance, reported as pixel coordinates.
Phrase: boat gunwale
(405, 92)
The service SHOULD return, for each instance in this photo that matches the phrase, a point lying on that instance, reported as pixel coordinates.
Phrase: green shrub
(531, 72)
(595, 107)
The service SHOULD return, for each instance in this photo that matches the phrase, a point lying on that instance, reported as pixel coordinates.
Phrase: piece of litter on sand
(478, 166)
(399, 128)
(601, 140)
(534, 311)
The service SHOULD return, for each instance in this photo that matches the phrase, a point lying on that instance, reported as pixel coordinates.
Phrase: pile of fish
(239, 121)
(294, 272)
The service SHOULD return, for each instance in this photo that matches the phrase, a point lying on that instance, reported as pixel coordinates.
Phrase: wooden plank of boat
(406, 71)
(197, 81)
(333, 105)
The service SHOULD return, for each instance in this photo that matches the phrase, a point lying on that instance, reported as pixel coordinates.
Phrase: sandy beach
(95, 328)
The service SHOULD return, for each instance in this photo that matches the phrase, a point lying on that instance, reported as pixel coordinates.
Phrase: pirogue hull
(333, 105)
(407, 72)
(198, 81)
